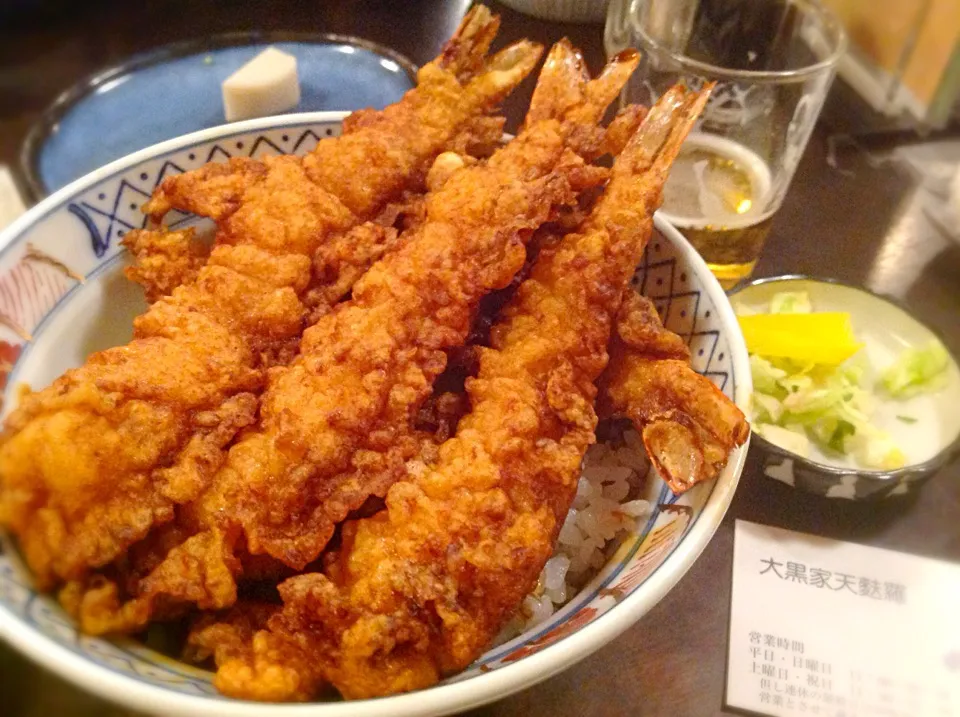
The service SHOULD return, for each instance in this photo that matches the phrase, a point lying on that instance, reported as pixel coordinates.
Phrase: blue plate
(176, 90)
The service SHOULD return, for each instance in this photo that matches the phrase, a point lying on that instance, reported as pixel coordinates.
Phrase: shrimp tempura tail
(419, 590)
(687, 424)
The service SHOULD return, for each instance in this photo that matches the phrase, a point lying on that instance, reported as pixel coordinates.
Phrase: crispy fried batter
(337, 425)
(378, 155)
(639, 329)
(214, 190)
(688, 425)
(441, 413)
(339, 263)
(365, 369)
(225, 637)
(163, 259)
(420, 590)
(154, 482)
(90, 464)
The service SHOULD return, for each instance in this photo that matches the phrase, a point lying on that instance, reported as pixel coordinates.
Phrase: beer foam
(700, 194)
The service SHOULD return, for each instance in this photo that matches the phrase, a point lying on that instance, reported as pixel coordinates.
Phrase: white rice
(605, 509)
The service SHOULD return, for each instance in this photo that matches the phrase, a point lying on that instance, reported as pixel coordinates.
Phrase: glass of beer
(773, 62)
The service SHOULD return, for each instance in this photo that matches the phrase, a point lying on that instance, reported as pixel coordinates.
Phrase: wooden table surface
(860, 222)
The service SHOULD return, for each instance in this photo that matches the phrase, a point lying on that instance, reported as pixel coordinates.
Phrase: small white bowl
(885, 329)
(61, 320)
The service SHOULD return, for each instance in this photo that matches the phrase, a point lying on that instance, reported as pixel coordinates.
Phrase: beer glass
(773, 62)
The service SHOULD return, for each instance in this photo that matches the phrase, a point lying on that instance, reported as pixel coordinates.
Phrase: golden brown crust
(687, 424)
(90, 464)
(419, 590)
(436, 545)
(163, 259)
(227, 636)
(343, 409)
(215, 190)
(336, 424)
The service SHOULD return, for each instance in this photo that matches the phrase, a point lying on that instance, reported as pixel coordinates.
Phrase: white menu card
(823, 627)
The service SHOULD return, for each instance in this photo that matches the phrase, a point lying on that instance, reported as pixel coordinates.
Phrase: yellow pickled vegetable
(821, 338)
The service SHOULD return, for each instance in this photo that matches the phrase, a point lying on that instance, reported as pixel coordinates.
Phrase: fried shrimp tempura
(687, 424)
(419, 590)
(164, 259)
(378, 155)
(90, 464)
(379, 152)
(336, 426)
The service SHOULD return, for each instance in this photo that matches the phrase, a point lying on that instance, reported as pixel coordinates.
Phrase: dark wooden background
(858, 222)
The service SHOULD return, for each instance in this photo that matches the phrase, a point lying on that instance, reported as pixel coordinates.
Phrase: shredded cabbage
(916, 370)
(766, 376)
(797, 404)
(791, 302)
(794, 441)
(874, 448)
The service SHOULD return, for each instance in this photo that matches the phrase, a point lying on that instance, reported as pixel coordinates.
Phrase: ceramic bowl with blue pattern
(63, 295)
(926, 427)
